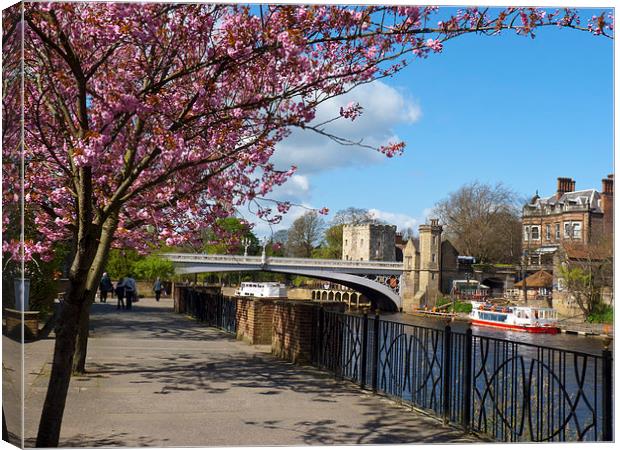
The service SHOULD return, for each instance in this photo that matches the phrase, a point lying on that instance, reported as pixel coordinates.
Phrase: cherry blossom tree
(149, 122)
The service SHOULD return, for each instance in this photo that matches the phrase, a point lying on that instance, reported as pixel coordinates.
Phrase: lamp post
(246, 243)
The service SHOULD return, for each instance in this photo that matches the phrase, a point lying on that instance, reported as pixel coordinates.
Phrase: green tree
(331, 247)
(152, 267)
(230, 236)
(121, 262)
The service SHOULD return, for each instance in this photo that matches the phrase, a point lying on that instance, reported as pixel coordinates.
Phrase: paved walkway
(159, 379)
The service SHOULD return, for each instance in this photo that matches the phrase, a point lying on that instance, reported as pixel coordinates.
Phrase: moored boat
(531, 319)
(268, 290)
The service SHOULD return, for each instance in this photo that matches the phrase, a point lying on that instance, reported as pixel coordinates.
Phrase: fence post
(363, 370)
(320, 336)
(375, 355)
(608, 433)
(467, 379)
(447, 350)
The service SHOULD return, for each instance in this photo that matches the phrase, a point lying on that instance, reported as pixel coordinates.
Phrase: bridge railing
(509, 391)
(284, 261)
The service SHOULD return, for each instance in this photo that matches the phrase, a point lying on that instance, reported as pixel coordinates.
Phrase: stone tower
(422, 268)
(411, 275)
(369, 242)
(430, 262)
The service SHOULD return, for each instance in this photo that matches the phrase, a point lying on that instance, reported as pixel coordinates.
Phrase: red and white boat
(532, 319)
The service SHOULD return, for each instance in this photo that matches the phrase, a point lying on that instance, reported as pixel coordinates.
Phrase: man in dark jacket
(105, 286)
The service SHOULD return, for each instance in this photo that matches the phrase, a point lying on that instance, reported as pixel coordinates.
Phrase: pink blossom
(351, 111)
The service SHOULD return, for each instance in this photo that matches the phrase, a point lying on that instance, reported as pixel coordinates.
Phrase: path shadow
(103, 440)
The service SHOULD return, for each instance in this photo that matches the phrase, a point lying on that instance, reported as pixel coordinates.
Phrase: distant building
(578, 216)
(369, 242)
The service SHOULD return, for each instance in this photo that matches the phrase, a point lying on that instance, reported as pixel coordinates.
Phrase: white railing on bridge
(280, 261)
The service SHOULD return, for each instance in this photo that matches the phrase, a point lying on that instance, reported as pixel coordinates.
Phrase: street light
(246, 242)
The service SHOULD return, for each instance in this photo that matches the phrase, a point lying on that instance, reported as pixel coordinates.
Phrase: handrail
(276, 260)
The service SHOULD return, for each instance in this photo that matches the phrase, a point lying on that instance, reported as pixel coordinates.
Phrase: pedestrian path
(157, 378)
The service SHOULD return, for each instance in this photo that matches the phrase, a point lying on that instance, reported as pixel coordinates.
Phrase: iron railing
(209, 307)
(508, 391)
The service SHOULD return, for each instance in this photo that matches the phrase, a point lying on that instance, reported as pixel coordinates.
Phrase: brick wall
(293, 325)
(254, 320)
(14, 321)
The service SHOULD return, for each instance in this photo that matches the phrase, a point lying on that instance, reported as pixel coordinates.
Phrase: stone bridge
(379, 281)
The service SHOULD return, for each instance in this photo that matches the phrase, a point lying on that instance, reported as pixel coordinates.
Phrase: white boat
(532, 319)
(267, 290)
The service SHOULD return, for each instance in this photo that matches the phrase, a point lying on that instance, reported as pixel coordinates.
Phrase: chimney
(607, 205)
(564, 185)
(572, 185)
(608, 185)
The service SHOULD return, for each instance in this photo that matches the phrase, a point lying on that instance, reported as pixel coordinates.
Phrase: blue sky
(507, 109)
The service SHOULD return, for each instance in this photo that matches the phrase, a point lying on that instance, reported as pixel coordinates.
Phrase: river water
(586, 344)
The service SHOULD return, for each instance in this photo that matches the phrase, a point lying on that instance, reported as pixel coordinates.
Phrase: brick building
(578, 216)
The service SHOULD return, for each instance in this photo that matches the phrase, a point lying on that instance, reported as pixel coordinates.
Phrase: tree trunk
(56, 397)
(94, 276)
(81, 345)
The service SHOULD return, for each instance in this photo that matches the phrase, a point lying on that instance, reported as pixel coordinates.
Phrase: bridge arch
(380, 296)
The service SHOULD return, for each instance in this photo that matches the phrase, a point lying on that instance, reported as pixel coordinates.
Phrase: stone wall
(369, 242)
(254, 320)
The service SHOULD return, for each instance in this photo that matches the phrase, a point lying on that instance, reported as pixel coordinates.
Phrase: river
(585, 344)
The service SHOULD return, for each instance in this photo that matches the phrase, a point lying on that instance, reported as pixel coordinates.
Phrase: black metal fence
(209, 307)
(509, 391)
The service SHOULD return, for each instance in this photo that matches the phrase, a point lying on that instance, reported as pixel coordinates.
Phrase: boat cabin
(265, 290)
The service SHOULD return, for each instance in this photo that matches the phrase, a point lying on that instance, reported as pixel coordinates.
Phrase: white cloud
(295, 190)
(264, 229)
(384, 107)
(402, 221)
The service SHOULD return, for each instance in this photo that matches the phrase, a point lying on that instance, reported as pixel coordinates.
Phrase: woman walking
(157, 288)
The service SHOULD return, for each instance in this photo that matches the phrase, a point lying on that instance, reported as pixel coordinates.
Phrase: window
(557, 231)
(577, 230)
(346, 242)
(432, 276)
(434, 240)
(526, 233)
(572, 230)
(535, 233)
(433, 257)
(548, 232)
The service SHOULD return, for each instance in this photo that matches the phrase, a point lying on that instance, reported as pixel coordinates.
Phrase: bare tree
(353, 216)
(483, 221)
(305, 234)
(585, 271)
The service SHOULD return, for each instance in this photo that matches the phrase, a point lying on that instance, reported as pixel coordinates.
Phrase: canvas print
(249, 224)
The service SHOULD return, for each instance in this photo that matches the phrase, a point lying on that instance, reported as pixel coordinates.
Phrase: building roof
(539, 279)
(586, 199)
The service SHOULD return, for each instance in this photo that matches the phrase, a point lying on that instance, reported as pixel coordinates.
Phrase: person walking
(130, 291)
(105, 286)
(120, 294)
(157, 288)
